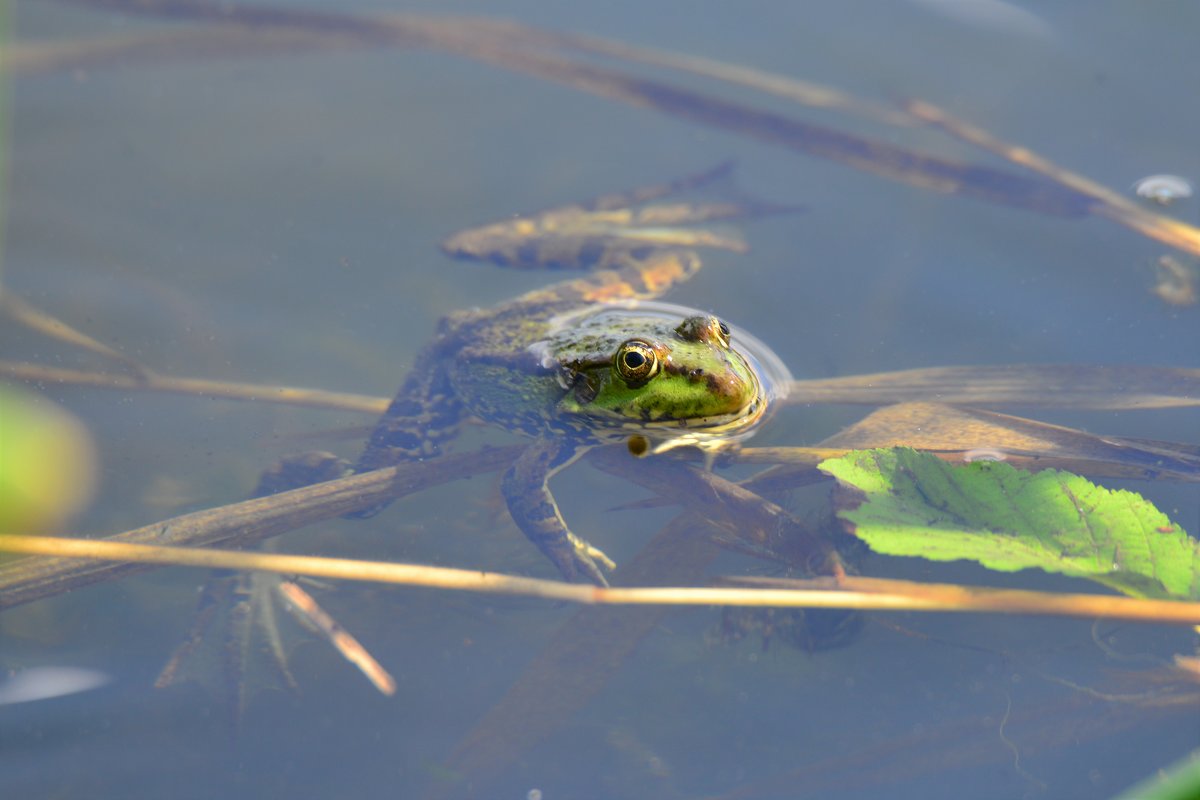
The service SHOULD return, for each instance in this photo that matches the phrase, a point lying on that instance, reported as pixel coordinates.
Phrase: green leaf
(1006, 519)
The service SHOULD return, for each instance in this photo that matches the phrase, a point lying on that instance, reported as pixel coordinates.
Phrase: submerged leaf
(915, 504)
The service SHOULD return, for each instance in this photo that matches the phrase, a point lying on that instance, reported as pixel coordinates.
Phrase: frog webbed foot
(533, 509)
(235, 644)
(245, 626)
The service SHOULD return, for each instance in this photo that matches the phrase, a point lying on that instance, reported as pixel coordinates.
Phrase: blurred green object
(4, 129)
(47, 463)
(1180, 781)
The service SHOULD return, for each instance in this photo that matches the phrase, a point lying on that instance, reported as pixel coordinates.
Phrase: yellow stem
(866, 594)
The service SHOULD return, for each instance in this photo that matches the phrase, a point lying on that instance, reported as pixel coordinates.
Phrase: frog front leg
(533, 508)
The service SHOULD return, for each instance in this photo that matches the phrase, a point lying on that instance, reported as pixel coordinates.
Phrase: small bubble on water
(984, 454)
(534, 794)
(1163, 189)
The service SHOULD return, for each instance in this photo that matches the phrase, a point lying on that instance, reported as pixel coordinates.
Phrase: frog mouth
(707, 433)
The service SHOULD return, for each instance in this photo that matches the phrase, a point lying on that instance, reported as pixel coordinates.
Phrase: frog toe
(588, 560)
(576, 560)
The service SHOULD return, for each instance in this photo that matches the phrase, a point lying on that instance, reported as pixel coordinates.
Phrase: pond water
(274, 217)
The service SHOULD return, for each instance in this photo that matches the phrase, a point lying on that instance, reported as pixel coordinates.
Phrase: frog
(587, 361)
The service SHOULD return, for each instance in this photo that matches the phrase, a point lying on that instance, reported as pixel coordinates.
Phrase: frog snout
(727, 388)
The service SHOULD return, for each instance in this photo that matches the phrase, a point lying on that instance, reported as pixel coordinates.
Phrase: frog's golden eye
(636, 362)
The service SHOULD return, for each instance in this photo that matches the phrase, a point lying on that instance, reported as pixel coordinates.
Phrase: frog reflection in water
(582, 362)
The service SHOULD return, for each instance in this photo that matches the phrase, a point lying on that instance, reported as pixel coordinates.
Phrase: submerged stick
(514, 46)
(38, 320)
(248, 522)
(1111, 205)
(1117, 387)
(204, 387)
(510, 47)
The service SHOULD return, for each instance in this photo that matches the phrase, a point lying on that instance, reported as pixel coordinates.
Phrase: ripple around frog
(773, 376)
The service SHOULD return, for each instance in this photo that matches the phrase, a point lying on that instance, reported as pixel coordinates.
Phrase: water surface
(275, 218)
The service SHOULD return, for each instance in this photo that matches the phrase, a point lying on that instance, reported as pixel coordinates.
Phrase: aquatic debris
(43, 683)
(1176, 281)
(305, 608)
(1163, 189)
(984, 454)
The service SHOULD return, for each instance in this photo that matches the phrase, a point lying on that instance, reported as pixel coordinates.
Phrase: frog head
(687, 381)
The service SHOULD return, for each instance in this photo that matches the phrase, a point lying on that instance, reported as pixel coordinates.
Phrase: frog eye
(702, 328)
(636, 362)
